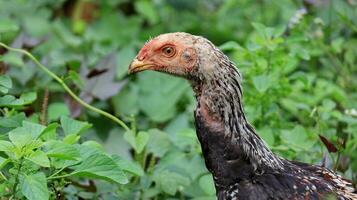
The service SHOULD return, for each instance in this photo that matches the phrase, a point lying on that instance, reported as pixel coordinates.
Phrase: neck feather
(222, 93)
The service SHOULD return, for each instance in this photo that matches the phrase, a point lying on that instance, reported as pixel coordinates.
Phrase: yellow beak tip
(137, 66)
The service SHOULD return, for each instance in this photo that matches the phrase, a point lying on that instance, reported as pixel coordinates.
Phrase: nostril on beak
(141, 57)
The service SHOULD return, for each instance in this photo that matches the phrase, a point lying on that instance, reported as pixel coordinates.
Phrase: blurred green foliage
(298, 59)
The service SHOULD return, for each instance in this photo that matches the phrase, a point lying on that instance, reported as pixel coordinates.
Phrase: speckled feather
(242, 165)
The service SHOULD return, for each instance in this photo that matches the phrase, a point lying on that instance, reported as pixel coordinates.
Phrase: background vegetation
(298, 59)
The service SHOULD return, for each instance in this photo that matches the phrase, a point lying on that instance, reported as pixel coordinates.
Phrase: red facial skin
(163, 54)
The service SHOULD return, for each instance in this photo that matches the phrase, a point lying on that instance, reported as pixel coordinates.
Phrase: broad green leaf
(13, 58)
(20, 137)
(40, 158)
(230, 45)
(88, 149)
(279, 31)
(56, 110)
(138, 142)
(207, 185)
(170, 182)
(28, 97)
(261, 83)
(37, 25)
(72, 126)
(61, 150)
(297, 138)
(33, 129)
(7, 25)
(159, 142)
(141, 140)
(186, 138)
(337, 45)
(71, 138)
(124, 57)
(126, 101)
(3, 89)
(260, 28)
(10, 101)
(128, 166)
(5, 83)
(267, 135)
(76, 78)
(146, 9)
(159, 94)
(100, 166)
(50, 132)
(3, 162)
(93, 144)
(34, 186)
(5, 145)
(12, 121)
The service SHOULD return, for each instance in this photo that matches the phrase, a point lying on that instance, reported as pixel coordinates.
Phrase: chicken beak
(137, 66)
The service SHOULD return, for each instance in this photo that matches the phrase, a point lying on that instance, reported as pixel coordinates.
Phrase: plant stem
(337, 161)
(57, 172)
(17, 178)
(43, 116)
(57, 177)
(66, 88)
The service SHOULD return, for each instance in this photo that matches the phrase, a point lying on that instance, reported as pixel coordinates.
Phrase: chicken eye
(168, 51)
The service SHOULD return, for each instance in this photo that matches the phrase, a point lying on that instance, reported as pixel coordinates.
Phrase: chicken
(242, 165)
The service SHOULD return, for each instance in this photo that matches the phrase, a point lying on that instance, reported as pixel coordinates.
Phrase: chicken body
(242, 165)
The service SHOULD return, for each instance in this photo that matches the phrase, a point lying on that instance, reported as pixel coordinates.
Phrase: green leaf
(297, 138)
(207, 185)
(5, 83)
(37, 25)
(5, 145)
(230, 45)
(13, 58)
(33, 129)
(71, 126)
(124, 57)
(263, 31)
(12, 121)
(128, 166)
(10, 101)
(3, 162)
(20, 137)
(146, 9)
(141, 140)
(7, 25)
(337, 45)
(50, 132)
(267, 135)
(56, 110)
(126, 101)
(170, 182)
(39, 157)
(61, 150)
(100, 166)
(71, 138)
(76, 78)
(261, 83)
(138, 142)
(159, 142)
(28, 97)
(88, 149)
(34, 186)
(161, 93)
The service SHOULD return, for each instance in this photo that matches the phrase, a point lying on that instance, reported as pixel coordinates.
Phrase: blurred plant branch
(66, 88)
